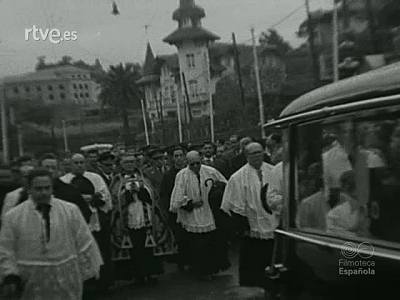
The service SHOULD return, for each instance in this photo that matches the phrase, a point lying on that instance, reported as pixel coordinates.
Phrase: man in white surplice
(190, 201)
(245, 199)
(46, 247)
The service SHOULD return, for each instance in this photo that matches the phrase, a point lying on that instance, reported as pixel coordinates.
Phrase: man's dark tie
(260, 176)
(44, 210)
(23, 196)
(263, 192)
(198, 178)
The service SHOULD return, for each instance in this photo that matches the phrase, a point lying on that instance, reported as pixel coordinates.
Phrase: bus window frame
(368, 114)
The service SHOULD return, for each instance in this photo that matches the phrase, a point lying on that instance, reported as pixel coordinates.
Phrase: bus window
(309, 194)
(348, 179)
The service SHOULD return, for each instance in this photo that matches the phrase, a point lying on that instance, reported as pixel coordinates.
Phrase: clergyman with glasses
(189, 200)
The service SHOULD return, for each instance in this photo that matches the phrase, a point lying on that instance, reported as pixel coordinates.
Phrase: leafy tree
(388, 16)
(120, 91)
(33, 111)
(96, 70)
(272, 38)
(65, 60)
(227, 101)
(41, 63)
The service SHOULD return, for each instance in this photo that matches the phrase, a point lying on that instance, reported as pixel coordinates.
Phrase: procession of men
(74, 227)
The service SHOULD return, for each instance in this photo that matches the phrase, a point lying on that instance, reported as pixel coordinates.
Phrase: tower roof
(149, 61)
(190, 33)
(150, 72)
(188, 8)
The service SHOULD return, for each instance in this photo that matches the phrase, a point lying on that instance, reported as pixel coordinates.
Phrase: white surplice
(99, 187)
(53, 269)
(242, 196)
(187, 187)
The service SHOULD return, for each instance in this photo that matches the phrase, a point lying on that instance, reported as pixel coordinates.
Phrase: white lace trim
(89, 262)
(45, 263)
(198, 229)
(136, 226)
(230, 207)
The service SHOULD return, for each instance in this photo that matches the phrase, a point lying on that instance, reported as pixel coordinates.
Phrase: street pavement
(175, 285)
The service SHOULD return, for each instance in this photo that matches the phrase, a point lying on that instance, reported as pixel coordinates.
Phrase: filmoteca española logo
(352, 250)
(357, 259)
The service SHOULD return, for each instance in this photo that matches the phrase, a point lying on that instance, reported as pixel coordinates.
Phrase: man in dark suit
(107, 167)
(240, 159)
(210, 158)
(62, 190)
(178, 154)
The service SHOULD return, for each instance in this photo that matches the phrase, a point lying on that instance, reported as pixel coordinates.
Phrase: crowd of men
(76, 226)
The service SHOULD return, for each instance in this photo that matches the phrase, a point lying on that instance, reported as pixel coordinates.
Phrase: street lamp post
(259, 93)
(4, 127)
(178, 111)
(20, 140)
(145, 123)
(65, 136)
(335, 41)
(210, 97)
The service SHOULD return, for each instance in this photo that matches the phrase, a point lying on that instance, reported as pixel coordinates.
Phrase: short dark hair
(39, 172)
(48, 156)
(177, 148)
(106, 156)
(23, 159)
(211, 144)
(93, 151)
(277, 138)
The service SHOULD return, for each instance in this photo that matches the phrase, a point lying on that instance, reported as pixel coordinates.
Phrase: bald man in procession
(95, 192)
(245, 199)
(190, 201)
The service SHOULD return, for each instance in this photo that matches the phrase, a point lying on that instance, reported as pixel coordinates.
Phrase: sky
(123, 38)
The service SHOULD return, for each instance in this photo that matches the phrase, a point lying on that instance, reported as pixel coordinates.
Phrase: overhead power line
(288, 16)
(279, 22)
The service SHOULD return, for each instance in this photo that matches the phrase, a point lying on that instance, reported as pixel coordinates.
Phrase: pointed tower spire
(149, 61)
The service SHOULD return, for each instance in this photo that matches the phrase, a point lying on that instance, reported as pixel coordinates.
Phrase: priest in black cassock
(178, 154)
(95, 191)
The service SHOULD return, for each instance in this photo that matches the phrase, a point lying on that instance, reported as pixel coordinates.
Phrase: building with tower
(189, 77)
(192, 42)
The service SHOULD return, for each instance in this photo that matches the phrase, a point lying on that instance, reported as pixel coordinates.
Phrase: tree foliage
(229, 110)
(388, 16)
(272, 38)
(96, 70)
(27, 111)
(120, 91)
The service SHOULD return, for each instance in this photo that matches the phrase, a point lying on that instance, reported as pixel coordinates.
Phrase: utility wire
(279, 22)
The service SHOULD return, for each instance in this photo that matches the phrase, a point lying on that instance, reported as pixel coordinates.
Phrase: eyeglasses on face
(255, 153)
(196, 163)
